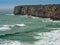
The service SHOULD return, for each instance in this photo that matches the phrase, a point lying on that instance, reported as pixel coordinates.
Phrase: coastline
(45, 11)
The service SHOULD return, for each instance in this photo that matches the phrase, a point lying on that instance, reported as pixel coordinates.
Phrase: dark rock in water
(46, 11)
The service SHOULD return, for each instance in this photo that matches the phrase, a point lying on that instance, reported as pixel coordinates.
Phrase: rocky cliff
(48, 11)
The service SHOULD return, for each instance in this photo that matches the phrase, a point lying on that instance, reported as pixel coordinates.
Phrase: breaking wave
(49, 38)
(5, 28)
(10, 29)
(28, 30)
(45, 38)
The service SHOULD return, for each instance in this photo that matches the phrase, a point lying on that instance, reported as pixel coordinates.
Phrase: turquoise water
(28, 30)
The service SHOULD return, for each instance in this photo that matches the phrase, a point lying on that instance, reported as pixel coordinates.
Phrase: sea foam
(4, 28)
(49, 38)
(20, 25)
(8, 25)
(10, 42)
(46, 38)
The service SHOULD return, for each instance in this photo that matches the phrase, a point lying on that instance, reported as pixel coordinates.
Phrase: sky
(12, 3)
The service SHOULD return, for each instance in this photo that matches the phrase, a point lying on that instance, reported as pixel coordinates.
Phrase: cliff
(47, 11)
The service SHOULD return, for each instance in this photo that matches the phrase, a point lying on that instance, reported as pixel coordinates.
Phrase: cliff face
(48, 11)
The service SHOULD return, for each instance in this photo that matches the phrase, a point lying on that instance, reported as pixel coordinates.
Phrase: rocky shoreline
(46, 11)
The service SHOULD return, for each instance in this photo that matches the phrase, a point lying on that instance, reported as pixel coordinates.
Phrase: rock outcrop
(47, 11)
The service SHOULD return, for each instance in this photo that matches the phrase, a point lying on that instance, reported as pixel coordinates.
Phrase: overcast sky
(12, 3)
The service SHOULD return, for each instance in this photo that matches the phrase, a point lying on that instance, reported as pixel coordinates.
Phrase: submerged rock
(47, 11)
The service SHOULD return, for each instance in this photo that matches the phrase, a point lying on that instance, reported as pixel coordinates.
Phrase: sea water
(28, 30)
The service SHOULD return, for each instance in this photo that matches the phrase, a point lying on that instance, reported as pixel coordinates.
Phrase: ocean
(28, 30)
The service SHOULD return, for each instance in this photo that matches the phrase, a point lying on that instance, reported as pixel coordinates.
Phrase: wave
(49, 20)
(8, 25)
(54, 28)
(10, 42)
(34, 17)
(48, 38)
(5, 28)
(14, 25)
(45, 38)
(11, 29)
(20, 25)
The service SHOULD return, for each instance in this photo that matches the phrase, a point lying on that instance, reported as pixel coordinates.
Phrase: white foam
(8, 25)
(56, 21)
(9, 42)
(37, 37)
(14, 25)
(49, 38)
(46, 38)
(49, 20)
(33, 17)
(54, 28)
(20, 25)
(4, 28)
